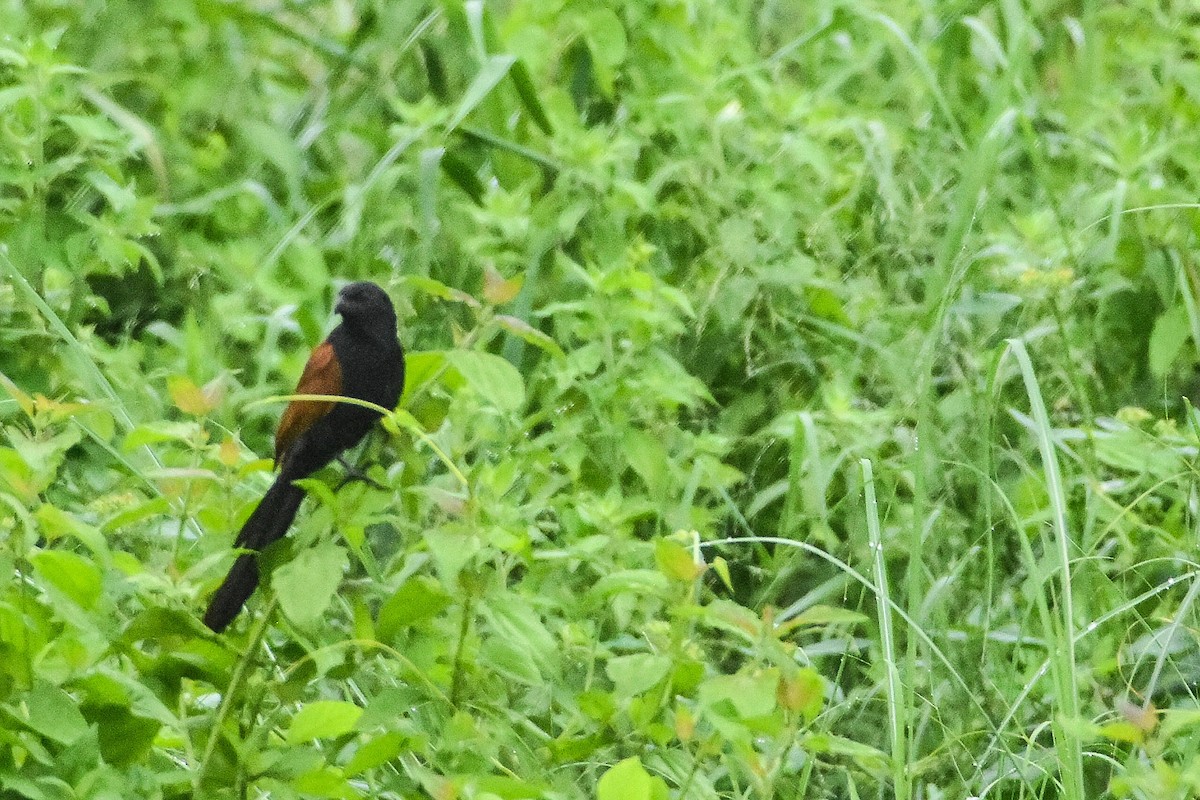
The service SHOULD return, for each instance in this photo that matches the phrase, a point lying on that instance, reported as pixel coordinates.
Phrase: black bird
(362, 359)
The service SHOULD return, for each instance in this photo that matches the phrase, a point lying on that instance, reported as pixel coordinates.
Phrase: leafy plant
(797, 399)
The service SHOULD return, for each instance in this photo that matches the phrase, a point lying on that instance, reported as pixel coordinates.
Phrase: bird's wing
(322, 375)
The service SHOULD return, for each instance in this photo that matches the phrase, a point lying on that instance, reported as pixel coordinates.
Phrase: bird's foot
(353, 474)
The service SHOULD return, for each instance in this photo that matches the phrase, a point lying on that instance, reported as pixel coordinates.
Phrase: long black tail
(269, 522)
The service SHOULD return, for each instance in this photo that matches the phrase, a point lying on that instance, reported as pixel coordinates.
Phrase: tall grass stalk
(1060, 634)
(898, 709)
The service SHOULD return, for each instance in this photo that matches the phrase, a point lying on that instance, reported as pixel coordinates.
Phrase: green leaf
(803, 691)
(1122, 731)
(323, 719)
(632, 581)
(675, 561)
(721, 567)
(1171, 332)
(606, 35)
(530, 334)
(490, 74)
(327, 782)
(647, 456)
(51, 712)
(125, 738)
(509, 659)
(386, 710)
(826, 615)
(306, 584)
(626, 780)
(1177, 721)
(463, 175)
(867, 757)
(137, 512)
(752, 694)
(529, 97)
(637, 673)
(376, 752)
(272, 144)
(498, 290)
(56, 523)
(188, 397)
(826, 305)
(519, 642)
(451, 550)
(492, 377)
(420, 368)
(440, 290)
(70, 574)
(418, 599)
(505, 787)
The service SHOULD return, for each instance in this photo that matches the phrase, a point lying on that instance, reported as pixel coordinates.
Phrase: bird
(362, 358)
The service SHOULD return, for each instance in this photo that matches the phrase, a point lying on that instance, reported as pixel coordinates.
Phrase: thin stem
(235, 684)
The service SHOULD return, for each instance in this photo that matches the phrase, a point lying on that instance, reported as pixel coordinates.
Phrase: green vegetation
(796, 404)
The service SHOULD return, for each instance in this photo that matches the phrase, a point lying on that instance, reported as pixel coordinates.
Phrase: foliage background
(797, 398)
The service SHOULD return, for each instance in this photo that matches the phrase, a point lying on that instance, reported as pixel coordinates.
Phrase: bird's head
(364, 305)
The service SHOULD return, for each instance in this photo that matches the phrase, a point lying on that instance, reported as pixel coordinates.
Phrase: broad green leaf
(1130, 449)
(1177, 721)
(636, 673)
(1122, 731)
(418, 599)
(306, 584)
(803, 691)
(274, 145)
(519, 640)
(607, 43)
(827, 305)
(323, 719)
(1170, 334)
(491, 377)
(634, 581)
(629, 780)
(675, 561)
(510, 660)
(125, 738)
(648, 457)
(376, 752)
(606, 34)
(71, 574)
(441, 291)
(752, 693)
(420, 368)
(120, 197)
(451, 550)
(505, 787)
(386, 710)
(50, 712)
(56, 523)
(328, 782)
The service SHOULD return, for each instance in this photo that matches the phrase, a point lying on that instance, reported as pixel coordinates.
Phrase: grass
(799, 403)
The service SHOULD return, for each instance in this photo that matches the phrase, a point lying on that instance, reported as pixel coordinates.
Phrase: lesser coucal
(361, 359)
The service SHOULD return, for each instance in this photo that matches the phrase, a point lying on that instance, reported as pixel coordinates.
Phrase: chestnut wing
(322, 375)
